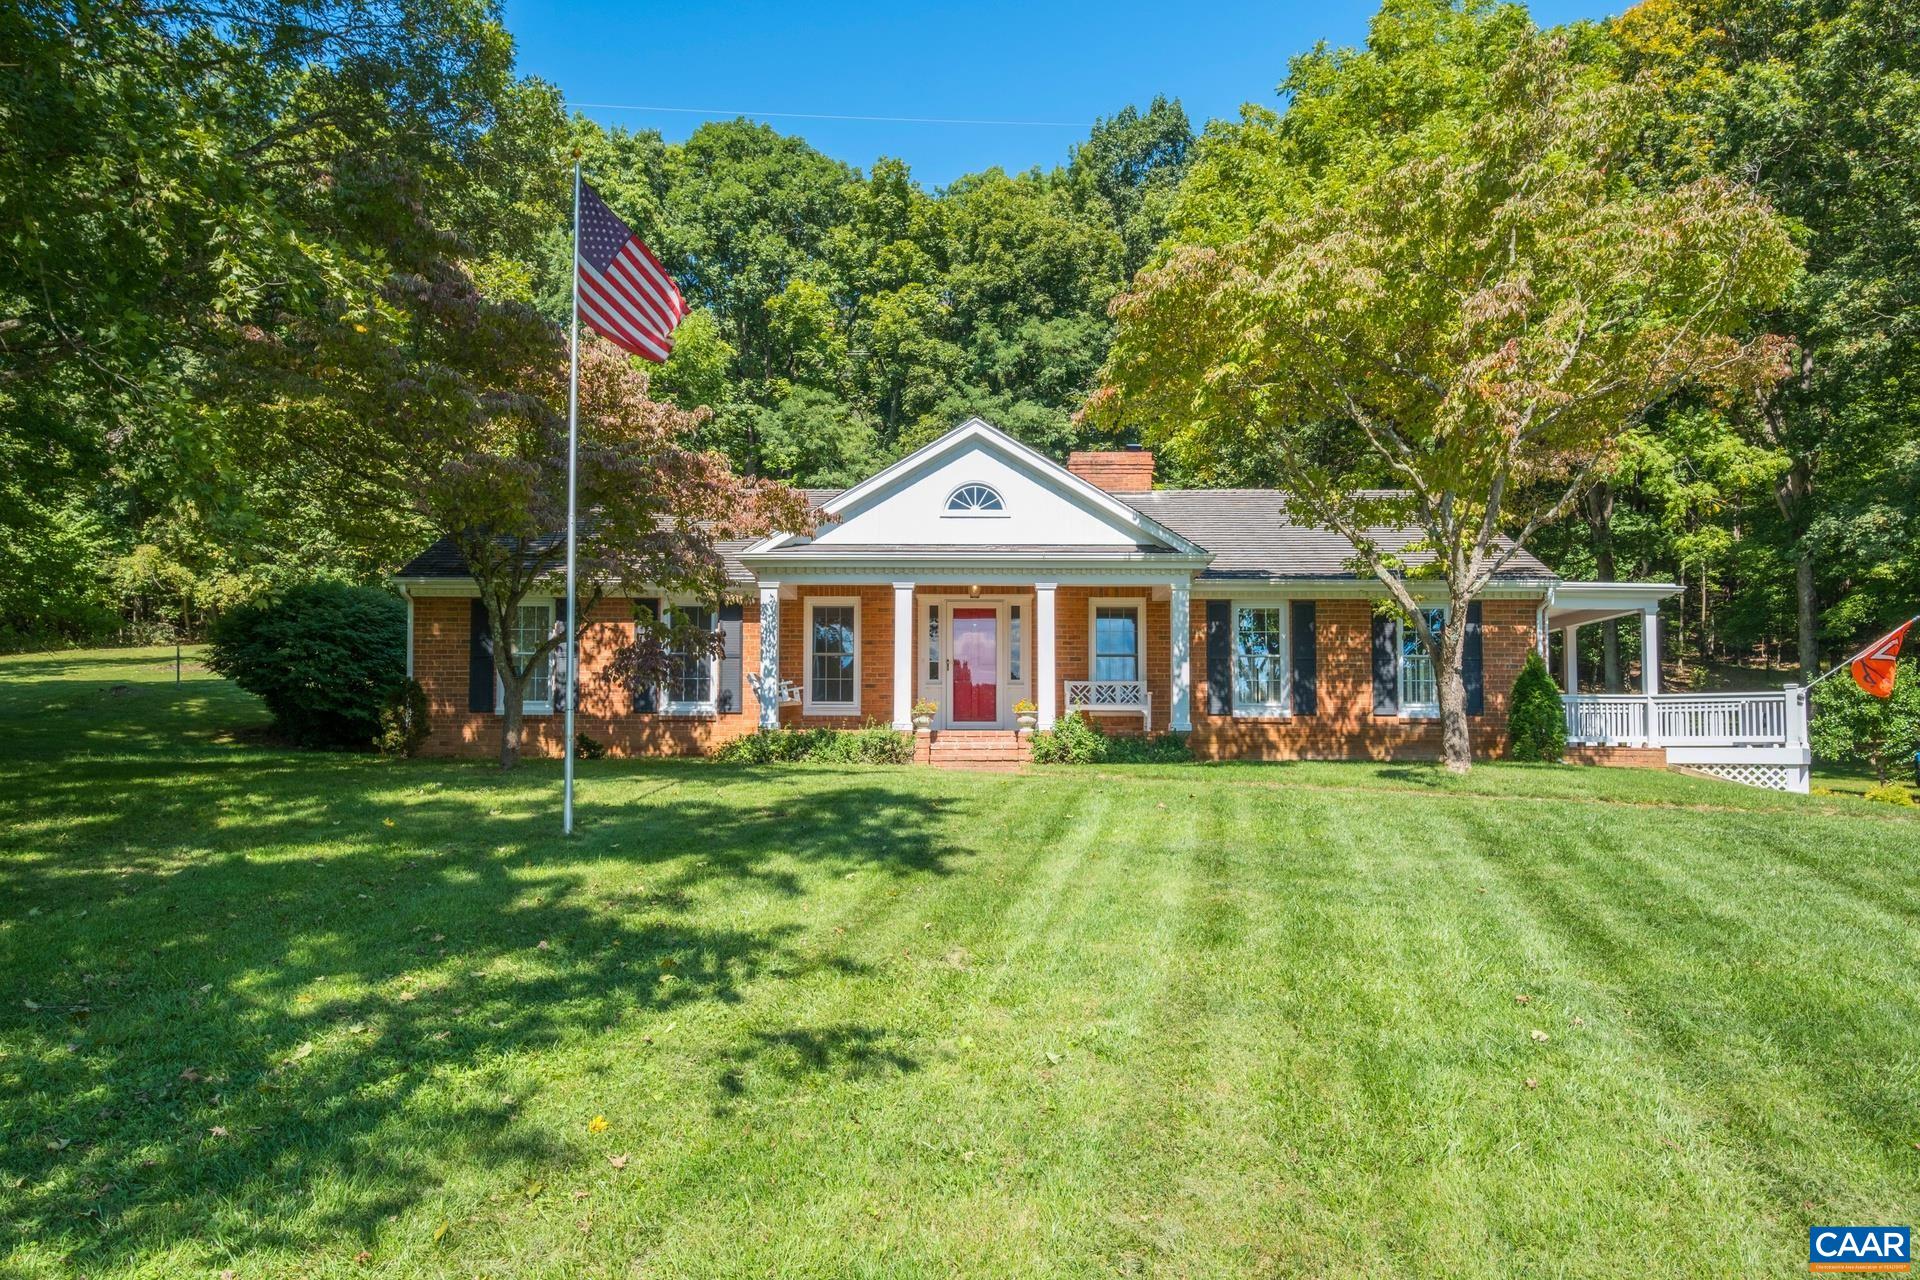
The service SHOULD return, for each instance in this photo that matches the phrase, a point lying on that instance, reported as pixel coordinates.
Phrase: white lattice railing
(1128, 696)
(1678, 719)
(779, 693)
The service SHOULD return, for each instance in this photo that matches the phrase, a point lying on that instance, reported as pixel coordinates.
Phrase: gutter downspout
(408, 596)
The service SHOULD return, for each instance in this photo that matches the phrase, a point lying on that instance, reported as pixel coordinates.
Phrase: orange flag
(1873, 670)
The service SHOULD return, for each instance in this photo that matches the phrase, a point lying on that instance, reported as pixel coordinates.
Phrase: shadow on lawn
(238, 976)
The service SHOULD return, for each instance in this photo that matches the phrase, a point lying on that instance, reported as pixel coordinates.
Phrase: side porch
(1756, 738)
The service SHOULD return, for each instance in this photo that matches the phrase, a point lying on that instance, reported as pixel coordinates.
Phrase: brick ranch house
(976, 573)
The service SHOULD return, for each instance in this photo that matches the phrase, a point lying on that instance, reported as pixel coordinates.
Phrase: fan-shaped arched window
(974, 500)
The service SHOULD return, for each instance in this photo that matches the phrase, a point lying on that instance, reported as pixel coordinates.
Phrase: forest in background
(220, 224)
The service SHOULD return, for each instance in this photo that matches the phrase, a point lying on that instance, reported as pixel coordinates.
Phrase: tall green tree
(1472, 318)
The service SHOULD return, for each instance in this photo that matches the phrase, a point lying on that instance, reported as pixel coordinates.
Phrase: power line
(821, 115)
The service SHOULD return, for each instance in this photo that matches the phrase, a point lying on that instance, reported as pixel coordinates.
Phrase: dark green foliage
(869, 744)
(589, 748)
(1536, 721)
(1077, 740)
(1852, 725)
(323, 657)
(403, 719)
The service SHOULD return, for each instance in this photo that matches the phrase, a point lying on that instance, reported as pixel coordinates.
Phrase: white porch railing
(1678, 719)
(1756, 738)
(1111, 696)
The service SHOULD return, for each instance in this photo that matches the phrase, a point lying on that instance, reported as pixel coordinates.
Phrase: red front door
(976, 666)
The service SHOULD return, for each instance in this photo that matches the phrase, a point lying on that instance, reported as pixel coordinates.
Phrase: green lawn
(316, 1015)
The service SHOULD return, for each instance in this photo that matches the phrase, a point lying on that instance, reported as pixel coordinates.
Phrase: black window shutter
(1305, 670)
(479, 659)
(643, 699)
(1472, 664)
(1219, 657)
(1386, 666)
(727, 696)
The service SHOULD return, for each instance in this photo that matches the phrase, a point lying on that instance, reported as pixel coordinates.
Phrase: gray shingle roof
(1246, 529)
(1250, 537)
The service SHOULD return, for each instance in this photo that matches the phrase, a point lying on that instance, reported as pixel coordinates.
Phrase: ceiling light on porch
(973, 593)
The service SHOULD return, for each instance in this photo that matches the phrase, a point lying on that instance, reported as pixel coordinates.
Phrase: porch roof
(1576, 604)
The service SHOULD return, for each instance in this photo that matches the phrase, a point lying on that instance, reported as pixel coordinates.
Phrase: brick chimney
(1116, 470)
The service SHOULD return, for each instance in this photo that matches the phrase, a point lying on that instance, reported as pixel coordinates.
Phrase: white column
(769, 655)
(903, 656)
(1650, 650)
(1570, 660)
(1046, 687)
(1179, 659)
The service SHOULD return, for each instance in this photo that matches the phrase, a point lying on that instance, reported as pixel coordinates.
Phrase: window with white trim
(692, 668)
(1419, 689)
(833, 656)
(1116, 641)
(532, 625)
(975, 500)
(1260, 660)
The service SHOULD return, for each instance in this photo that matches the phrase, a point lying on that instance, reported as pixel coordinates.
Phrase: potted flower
(1025, 714)
(923, 714)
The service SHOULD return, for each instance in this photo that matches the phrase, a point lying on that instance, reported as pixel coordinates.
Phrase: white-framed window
(532, 624)
(693, 672)
(1419, 689)
(833, 656)
(1118, 640)
(975, 500)
(1260, 657)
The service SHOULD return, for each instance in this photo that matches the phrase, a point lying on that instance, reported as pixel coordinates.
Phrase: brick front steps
(994, 749)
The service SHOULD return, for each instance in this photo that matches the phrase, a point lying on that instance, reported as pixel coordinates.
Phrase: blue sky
(1056, 64)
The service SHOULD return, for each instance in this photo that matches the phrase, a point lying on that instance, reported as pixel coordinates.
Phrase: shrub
(322, 656)
(1536, 721)
(1891, 793)
(1077, 740)
(586, 748)
(403, 719)
(869, 744)
(1849, 724)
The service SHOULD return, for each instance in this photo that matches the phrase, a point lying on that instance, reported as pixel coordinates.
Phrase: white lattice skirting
(1771, 768)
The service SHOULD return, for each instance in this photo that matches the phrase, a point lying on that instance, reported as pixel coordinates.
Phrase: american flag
(626, 296)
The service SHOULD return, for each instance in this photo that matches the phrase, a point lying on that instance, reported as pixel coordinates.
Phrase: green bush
(322, 656)
(1536, 720)
(1850, 724)
(586, 748)
(1077, 740)
(403, 719)
(869, 744)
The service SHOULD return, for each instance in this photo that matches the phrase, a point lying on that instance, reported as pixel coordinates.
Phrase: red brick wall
(1344, 726)
(440, 647)
(1073, 640)
(1619, 757)
(875, 626)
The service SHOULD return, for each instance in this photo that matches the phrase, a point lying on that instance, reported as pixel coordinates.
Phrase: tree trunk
(1597, 506)
(512, 700)
(1456, 744)
(1807, 606)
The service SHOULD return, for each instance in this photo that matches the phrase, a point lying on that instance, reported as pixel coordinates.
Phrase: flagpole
(573, 460)
(1859, 653)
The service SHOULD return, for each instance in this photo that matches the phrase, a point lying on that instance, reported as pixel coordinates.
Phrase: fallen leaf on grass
(1522, 998)
(620, 1162)
(1539, 1036)
(1532, 1083)
(303, 1051)
(597, 1125)
(218, 1131)
(441, 1231)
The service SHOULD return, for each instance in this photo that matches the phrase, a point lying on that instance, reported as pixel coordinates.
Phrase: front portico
(998, 577)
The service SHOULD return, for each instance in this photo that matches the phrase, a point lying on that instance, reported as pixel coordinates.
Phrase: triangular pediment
(977, 487)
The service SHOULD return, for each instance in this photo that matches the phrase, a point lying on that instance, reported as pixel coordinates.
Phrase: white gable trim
(1055, 475)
